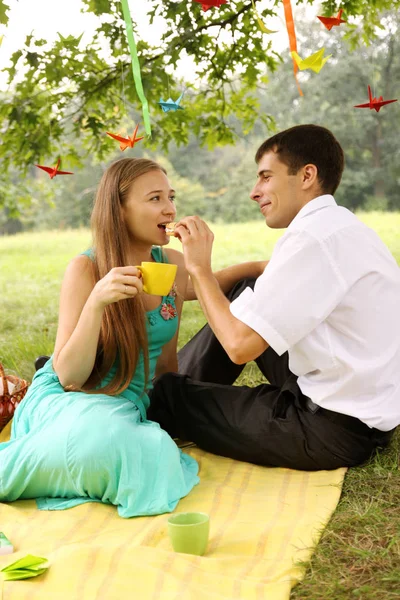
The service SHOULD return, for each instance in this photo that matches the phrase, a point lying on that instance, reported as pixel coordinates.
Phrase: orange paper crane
(375, 103)
(330, 22)
(207, 4)
(53, 171)
(128, 142)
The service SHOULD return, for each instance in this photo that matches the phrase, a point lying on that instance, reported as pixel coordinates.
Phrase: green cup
(189, 532)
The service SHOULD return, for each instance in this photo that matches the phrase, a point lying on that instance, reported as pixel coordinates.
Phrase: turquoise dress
(67, 448)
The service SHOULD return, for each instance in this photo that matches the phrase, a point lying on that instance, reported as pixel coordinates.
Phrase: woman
(81, 433)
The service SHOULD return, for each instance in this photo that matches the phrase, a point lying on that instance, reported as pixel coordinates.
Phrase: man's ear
(309, 176)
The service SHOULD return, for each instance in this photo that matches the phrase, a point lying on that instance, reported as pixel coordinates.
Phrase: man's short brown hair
(308, 144)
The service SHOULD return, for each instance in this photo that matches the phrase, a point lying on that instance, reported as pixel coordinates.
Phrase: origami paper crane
(314, 62)
(375, 103)
(260, 22)
(207, 4)
(128, 142)
(169, 104)
(28, 566)
(330, 22)
(53, 171)
(1, 39)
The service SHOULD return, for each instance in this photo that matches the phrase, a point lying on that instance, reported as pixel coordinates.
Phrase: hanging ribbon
(292, 37)
(136, 66)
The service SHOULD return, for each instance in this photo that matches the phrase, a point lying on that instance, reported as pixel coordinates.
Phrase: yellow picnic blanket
(262, 522)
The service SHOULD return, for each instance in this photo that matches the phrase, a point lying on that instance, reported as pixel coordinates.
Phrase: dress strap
(159, 255)
(89, 252)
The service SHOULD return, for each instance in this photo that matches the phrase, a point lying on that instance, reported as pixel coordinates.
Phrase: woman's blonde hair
(123, 330)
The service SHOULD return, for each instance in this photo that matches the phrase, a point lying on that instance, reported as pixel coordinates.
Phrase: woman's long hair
(123, 330)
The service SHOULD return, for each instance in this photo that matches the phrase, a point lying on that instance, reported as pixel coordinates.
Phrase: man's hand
(197, 240)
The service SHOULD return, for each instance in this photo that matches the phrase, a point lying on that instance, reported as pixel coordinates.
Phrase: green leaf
(32, 58)
(3, 12)
(99, 7)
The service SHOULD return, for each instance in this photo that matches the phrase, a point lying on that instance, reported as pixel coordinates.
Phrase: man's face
(278, 194)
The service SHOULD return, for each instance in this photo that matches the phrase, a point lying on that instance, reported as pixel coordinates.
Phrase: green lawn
(359, 553)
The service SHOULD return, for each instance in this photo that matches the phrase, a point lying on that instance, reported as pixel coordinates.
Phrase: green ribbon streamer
(136, 66)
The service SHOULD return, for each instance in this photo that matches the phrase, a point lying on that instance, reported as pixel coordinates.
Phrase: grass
(358, 555)
(32, 267)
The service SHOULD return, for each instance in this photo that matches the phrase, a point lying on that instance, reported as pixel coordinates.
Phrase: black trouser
(272, 424)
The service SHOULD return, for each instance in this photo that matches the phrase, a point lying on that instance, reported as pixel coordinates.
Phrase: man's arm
(240, 342)
(230, 275)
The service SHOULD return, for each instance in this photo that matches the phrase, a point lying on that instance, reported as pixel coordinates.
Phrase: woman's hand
(119, 284)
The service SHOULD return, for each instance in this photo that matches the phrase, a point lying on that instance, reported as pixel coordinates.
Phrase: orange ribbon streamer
(292, 37)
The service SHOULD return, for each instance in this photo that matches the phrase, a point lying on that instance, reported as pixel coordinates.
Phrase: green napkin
(28, 566)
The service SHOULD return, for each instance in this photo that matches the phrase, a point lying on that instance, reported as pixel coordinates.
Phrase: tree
(70, 91)
(369, 139)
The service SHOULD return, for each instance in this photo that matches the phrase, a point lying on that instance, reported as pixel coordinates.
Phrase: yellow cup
(157, 277)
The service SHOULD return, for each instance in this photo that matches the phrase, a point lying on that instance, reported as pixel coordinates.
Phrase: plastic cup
(189, 532)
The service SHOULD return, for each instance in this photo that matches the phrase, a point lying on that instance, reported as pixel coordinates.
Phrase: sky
(48, 17)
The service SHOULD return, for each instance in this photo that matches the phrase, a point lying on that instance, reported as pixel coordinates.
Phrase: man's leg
(263, 425)
(40, 362)
(204, 359)
(271, 424)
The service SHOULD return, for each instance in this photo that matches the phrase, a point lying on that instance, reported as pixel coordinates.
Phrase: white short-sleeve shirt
(330, 296)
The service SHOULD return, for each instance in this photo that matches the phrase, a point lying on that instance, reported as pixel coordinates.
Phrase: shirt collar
(315, 204)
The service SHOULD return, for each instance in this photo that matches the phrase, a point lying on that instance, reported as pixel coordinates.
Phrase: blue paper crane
(169, 104)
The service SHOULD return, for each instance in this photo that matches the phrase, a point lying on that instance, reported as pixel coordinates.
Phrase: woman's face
(148, 207)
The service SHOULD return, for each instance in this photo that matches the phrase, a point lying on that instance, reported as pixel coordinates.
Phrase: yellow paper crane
(261, 25)
(314, 62)
(1, 39)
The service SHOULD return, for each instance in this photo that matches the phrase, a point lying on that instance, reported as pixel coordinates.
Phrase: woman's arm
(230, 275)
(82, 304)
(78, 325)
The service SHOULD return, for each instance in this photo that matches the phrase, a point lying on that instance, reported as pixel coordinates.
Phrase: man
(322, 323)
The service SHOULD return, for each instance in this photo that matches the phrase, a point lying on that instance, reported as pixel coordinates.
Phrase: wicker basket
(10, 401)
